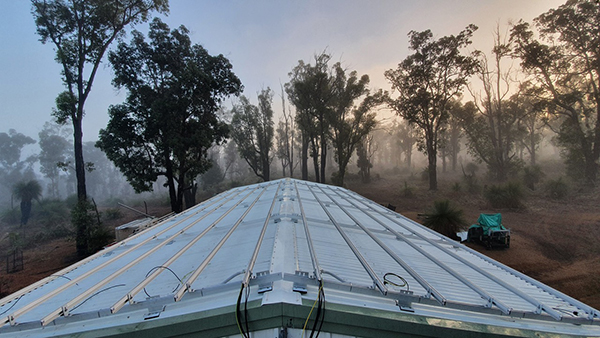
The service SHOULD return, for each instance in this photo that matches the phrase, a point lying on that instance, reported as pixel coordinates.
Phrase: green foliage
(27, 191)
(557, 189)
(563, 59)
(509, 195)
(169, 120)
(350, 116)
(532, 175)
(252, 131)
(90, 235)
(81, 32)
(445, 219)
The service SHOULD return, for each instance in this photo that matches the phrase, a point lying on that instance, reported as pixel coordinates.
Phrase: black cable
(320, 315)
(246, 320)
(164, 267)
(15, 303)
(238, 313)
(387, 281)
(95, 294)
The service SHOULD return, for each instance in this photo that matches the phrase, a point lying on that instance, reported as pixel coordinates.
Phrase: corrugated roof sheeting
(293, 230)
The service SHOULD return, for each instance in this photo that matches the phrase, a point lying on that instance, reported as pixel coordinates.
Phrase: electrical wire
(319, 316)
(15, 303)
(163, 267)
(95, 294)
(387, 281)
(238, 312)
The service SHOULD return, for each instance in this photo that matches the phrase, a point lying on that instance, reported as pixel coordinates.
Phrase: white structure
(290, 258)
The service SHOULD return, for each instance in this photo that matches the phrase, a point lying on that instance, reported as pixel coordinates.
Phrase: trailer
(489, 231)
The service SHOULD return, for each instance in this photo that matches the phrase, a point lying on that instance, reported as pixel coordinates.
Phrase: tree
(81, 32)
(364, 153)
(12, 167)
(349, 122)
(564, 63)
(405, 137)
(27, 191)
(54, 150)
(426, 81)
(451, 136)
(309, 90)
(169, 120)
(252, 131)
(493, 131)
(285, 139)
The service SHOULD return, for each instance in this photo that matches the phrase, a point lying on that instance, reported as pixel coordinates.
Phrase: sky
(262, 39)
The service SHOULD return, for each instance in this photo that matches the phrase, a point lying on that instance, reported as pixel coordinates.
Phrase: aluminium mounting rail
(138, 288)
(64, 310)
(376, 280)
(491, 300)
(248, 273)
(187, 286)
(428, 287)
(311, 248)
(11, 318)
(553, 313)
(16, 295)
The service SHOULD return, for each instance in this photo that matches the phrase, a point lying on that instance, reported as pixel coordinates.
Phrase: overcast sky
(262, 39)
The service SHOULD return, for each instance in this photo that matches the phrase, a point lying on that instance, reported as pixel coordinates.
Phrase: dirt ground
(556, 242)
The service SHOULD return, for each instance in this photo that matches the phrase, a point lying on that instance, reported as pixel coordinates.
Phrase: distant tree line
(174, 125)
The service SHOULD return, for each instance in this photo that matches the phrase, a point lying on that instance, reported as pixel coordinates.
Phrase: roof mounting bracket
(154, 312)
(301, 288)
(262, 288)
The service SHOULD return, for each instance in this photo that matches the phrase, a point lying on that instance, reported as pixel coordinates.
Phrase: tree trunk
(323, 158)
(315, 157)
(171, 186)
(266, 169)
(79, 162)
(304, 158)
(189, 195)
(432, 159)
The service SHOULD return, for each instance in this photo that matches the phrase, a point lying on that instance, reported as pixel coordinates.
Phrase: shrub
(407, 191)
(112, 214)
(11, 216)
(456, 187)
(445, 219)
(557, 189)
(532, 175)
(509, 195)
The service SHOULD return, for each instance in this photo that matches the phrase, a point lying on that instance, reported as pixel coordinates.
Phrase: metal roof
(294, 243)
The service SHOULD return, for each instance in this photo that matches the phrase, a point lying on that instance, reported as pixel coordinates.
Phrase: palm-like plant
(26, 192)
(445, 219)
